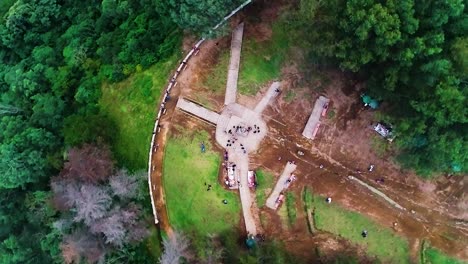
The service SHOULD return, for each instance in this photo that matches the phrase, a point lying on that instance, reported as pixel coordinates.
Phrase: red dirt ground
(343, 145)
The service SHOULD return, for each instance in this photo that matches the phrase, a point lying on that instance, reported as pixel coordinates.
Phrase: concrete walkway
(280, 184)
(314, 119)
(239, 130)
(233, 71)
(198, 110)
(266, 99)
(242, 161)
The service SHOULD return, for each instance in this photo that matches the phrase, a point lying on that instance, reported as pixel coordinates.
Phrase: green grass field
(434, 256)
(260, 62)
(190, 206)
(381, 242)
(265, 182)
(291, 207)
(132, 104)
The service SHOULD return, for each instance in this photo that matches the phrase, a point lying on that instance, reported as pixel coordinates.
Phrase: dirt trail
(338, 152)
(436, 210)
(186, 77)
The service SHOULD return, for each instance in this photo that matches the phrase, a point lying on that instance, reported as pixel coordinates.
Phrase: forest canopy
(54, 57)
(412, 55)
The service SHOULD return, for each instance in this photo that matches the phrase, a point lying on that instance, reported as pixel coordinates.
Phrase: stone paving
(281, 184)
(313, 123)
(198, 110)
(272, 92)
(233, 71)
(238, 129)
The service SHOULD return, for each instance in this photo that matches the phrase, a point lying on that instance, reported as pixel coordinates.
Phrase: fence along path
(173, 83)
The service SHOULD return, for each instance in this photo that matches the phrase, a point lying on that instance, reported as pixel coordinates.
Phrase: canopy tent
(369, 101)
(456, 167)
(250, 241)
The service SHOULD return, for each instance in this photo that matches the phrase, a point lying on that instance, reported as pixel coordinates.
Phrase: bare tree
(175, 248)
(121, 226)
(79, 55)
(8, 109)
(123, 185)
(66, 191)
(91, 204)
(89, 164)
(112, 227)
(62, 224)
(138, 231)
(81, 244)
(213, 252)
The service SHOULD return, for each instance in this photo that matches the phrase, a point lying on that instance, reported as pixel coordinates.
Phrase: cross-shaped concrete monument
(238, 129)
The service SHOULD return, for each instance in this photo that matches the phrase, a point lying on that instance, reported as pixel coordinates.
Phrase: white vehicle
(384, 130)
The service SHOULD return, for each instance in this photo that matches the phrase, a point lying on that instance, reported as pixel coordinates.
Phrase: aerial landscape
(233, 131)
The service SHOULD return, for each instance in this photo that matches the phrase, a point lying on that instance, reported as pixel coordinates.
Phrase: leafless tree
(175, 248)
(112, 227)
(80, 54)
(62, 224)
(81, 244)
(91, 203)
(8, 109)
(213, 253)
(120, 226)
(123, 185)
(89, 164)
(138, 232)
(66, 191)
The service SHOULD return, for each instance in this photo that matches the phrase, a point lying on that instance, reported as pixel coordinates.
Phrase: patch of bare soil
(435, 210)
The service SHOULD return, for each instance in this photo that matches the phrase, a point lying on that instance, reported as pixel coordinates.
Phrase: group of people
(230, 143)
(256, 129)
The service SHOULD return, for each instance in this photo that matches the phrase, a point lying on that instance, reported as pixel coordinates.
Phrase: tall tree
(175, 249)
(406, 50)
(88, 163)
(199, 16)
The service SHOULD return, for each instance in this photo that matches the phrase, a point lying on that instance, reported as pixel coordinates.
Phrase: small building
(384, 130)
(313, 124)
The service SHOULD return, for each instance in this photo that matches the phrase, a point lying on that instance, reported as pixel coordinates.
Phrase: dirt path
(343, 145)
(185, 78)
(379, 193)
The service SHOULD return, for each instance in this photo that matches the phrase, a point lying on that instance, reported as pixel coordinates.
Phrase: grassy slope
(434, 256)
(291, 207)
(265, 182)
(260, 63)
(190, 206)
(381, 242)
(132, 106)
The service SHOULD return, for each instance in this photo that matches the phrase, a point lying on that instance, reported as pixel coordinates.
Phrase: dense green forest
(56, 54)
(413, 57)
